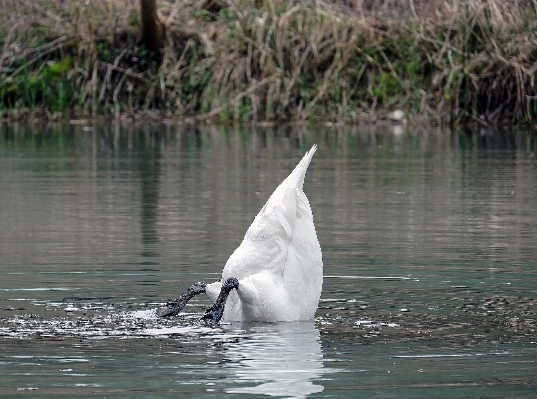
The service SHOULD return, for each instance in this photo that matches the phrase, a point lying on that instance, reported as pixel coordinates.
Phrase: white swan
(277, 270)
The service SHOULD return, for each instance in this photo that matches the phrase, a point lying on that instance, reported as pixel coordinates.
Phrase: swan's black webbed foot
(173, 308)
(214, 313)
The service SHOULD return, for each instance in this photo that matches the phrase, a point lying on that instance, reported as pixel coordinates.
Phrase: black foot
(173, 308)
(214, 313)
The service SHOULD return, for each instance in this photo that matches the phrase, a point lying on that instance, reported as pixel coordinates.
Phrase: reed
(450, 62)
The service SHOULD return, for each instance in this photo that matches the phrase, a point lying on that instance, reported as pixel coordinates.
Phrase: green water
(428, 242)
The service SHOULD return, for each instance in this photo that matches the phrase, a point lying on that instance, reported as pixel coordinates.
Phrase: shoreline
(285, 62)
(96, 124)
(141, 117)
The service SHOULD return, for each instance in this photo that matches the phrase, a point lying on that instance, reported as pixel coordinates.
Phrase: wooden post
(153, 31)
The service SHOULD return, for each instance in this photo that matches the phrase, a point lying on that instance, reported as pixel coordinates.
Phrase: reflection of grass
(466, 61)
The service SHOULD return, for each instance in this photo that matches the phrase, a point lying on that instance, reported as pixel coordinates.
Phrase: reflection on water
(149, 167)
(428, 241)
(283, 360)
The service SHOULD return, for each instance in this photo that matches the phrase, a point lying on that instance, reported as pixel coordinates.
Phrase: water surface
(428, 243)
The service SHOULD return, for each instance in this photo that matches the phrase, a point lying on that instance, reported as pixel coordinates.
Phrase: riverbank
(304, 62)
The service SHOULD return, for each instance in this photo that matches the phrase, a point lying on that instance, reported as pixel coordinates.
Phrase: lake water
(429, 248)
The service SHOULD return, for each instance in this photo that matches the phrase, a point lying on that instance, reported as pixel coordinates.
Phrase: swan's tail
(296, 178)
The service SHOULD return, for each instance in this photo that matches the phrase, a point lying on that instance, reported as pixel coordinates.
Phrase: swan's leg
(215, 312)
(172, 308)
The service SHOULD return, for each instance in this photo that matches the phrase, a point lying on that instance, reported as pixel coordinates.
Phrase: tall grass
(453, 62)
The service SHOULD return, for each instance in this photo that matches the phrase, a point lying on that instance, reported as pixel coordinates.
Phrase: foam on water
(143, 314)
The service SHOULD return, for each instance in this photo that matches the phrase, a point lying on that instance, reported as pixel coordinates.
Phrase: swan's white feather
(279, 262)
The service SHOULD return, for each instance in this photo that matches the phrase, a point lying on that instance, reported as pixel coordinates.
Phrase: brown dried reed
(342, 61)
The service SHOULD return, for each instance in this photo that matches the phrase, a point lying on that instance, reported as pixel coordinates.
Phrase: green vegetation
(453, 62)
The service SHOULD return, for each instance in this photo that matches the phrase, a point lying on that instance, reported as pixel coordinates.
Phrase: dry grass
(340, 61)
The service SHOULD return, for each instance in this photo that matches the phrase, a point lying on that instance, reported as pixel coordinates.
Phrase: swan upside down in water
(276, 273)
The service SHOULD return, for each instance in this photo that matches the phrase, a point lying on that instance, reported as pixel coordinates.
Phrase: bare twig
(116, 92)
(127, 72)
(37, 57)
(41, 10)
(49, 44)
(237, 98)
(478, 120)
(6, 43)
(108, 75)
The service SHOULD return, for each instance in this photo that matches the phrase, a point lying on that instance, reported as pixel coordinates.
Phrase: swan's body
(279, 263)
